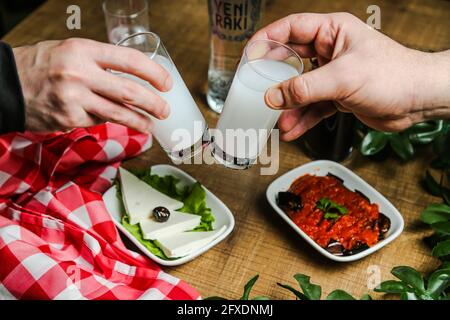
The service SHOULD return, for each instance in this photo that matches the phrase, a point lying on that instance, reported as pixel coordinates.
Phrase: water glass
(124, 18)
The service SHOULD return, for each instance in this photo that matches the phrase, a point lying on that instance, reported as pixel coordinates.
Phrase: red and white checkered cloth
(57, 240)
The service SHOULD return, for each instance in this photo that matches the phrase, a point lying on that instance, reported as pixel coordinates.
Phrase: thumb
(321, 84)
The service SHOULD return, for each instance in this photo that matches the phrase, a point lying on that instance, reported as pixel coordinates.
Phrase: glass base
(230, 161)
(192, 151)
(214, 103)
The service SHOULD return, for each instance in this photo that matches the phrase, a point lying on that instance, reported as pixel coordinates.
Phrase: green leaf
(438, 282)
(331, 215)
(401, 146)
(446, 195)
(408, 296)
(435, 213)
(169, 185)
(425, 132)
(259, 298)
(431, 185)
(248, 287)
(441, 249)
(441, 145)
(151, 245)
(297, 293)
(331, 209)
(442, 227)
(366, 297)
(311, 291)
(410, 277)
(392, 286)
(339, 295)
(374, 142)
(435, 238)
(445, 265)
(195, 203)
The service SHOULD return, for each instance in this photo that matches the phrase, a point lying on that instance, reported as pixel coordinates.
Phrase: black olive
(363, 195)
(336, 177)
(336, 248)
(289, 201)
(384, 224)
(161, 214)
(356, 249)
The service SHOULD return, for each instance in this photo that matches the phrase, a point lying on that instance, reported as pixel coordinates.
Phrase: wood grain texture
(261, 242)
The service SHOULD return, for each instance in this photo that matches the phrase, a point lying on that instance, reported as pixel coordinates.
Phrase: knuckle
(344, 16)
(116, 115)
(299, 90)
(63, 72)
(72, 44)
(128, 92)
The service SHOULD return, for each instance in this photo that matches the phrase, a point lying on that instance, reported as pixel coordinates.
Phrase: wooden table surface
(261, 242)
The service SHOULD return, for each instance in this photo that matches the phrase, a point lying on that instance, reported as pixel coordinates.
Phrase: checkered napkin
(57, 240)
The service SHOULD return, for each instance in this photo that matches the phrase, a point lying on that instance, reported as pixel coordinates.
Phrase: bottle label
(234, 20)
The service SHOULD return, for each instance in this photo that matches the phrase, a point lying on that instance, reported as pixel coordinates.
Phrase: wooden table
(261, 242)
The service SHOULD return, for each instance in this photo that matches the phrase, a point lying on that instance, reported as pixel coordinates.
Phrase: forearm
(12, 108)
(433, 85)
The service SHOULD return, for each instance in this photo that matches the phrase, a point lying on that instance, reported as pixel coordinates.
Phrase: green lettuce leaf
(195, 203)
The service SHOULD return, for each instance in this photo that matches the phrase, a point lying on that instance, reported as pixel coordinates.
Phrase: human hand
(386, 85)
(66, 85)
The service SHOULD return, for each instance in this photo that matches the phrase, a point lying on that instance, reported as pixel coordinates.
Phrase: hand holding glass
(184, 132)
(246, 121)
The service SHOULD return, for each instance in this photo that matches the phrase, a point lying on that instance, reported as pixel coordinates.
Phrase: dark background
(13, 11)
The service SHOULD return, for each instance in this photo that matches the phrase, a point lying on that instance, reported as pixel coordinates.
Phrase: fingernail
(168, 83)
(274, 98)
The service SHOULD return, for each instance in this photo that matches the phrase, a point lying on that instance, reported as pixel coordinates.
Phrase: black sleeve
(12, 105)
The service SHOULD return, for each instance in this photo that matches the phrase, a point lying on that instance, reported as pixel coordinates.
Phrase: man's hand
(386, 85)
(66, 85)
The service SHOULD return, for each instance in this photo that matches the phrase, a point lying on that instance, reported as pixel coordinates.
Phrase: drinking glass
(185, 132)
(124, 18)
(246, 121)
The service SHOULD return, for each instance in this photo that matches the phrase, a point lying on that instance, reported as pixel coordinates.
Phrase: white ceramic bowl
(222, 215)
(352, 182)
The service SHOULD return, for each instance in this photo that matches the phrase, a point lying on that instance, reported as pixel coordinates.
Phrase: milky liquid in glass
(185, 125)
(245, 108)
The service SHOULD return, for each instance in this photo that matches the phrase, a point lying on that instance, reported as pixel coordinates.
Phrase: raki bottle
(232, 23)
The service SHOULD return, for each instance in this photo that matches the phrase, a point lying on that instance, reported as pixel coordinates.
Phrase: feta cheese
(140, 199)
(184, 243)
(178, 222)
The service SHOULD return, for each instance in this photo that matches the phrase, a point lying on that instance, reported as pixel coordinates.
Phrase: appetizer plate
(352, 182)
(222, 215)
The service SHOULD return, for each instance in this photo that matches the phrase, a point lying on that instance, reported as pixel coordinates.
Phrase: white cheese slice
(187, 242)
(140, 199)
(178, 222)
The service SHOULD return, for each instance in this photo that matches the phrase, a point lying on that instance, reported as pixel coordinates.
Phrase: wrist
(432, 85)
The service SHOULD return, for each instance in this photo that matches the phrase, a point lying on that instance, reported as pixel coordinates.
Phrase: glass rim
(142, 33)
(295, 54)
(131, 16)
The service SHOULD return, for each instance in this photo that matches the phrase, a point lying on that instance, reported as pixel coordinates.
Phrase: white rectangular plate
(222, 215)
(352, 182)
